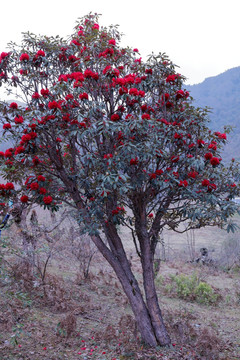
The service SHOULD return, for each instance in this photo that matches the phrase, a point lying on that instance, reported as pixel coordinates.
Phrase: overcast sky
(200, 36)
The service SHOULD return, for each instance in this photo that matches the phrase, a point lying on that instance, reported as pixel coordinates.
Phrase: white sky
(200, 36)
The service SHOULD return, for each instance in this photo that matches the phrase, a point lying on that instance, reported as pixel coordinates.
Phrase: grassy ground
(69, 317)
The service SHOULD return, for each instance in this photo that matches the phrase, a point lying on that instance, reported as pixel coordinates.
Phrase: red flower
(9, 186)
(212, 187)
(112, 42)
(23, 72)
(208, 156)
(34, 186)
(24, 199)
(13, 105)
(18, 120)
(146, 116)
(7, 126)
(148, 71)
(133, 91)
(172, 78)
(107, 69)
(3, 55)
(200, 142)
(54, 105)
(41, 178)
(134, 161)
(83, 96)
(24, 57)
(221, 136)
(42, 191)
(123, 90)
(47, 200)
(8, 153)
(26, 138)
(212, 146)
(215, 161)
(36, 95)
(183, 183)
(180, 94)
(95, 27)
(107, 156)
(205, 182)
(115, 117)
(19, 150)
(45, 92)
(159, 172)
(153, 176)
(150, 215)
(192, 174)
(40, 53)
(141, 93)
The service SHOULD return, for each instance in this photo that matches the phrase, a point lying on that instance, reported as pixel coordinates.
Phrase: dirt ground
(69, 316)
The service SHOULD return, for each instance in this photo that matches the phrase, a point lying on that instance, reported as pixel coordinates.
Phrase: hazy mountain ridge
(222, 94)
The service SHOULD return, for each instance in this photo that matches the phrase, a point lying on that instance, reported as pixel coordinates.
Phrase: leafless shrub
(67, 326)
(56, 295)
(83, 250)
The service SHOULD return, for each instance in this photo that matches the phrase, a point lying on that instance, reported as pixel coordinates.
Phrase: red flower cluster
(221, 136)
(7, 126)
(115, 117)
(18, 120)
(183, 183)
(24, 198)
(45, 92)
(134, 161)
(172, 78)
(118, 210)
(83, 96)
(13, 105)
(35, 95)
(146, 117)
(24, 57)
(41, 178)
(54, 105)
(40, 53)
(8, 187)
(215, 161)
(108, 156)
(47, 200)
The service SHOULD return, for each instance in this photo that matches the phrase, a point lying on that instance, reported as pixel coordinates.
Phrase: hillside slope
(222, 94)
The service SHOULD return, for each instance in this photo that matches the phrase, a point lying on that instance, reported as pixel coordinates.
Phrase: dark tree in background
(117, 140)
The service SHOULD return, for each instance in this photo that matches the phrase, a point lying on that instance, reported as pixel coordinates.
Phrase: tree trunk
(147, 260)
(151, 296)
(149, 326)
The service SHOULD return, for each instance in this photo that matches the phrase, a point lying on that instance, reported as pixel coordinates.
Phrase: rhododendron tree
(118, 140)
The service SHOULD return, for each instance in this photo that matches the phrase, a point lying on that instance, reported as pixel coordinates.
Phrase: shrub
(191, 288)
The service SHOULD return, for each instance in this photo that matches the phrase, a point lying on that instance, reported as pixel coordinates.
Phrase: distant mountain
(222, 94)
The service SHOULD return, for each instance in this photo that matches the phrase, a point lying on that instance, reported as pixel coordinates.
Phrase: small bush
(205, 294)
(191, 288)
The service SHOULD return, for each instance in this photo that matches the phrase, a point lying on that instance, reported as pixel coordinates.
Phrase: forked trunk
(149, 320)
